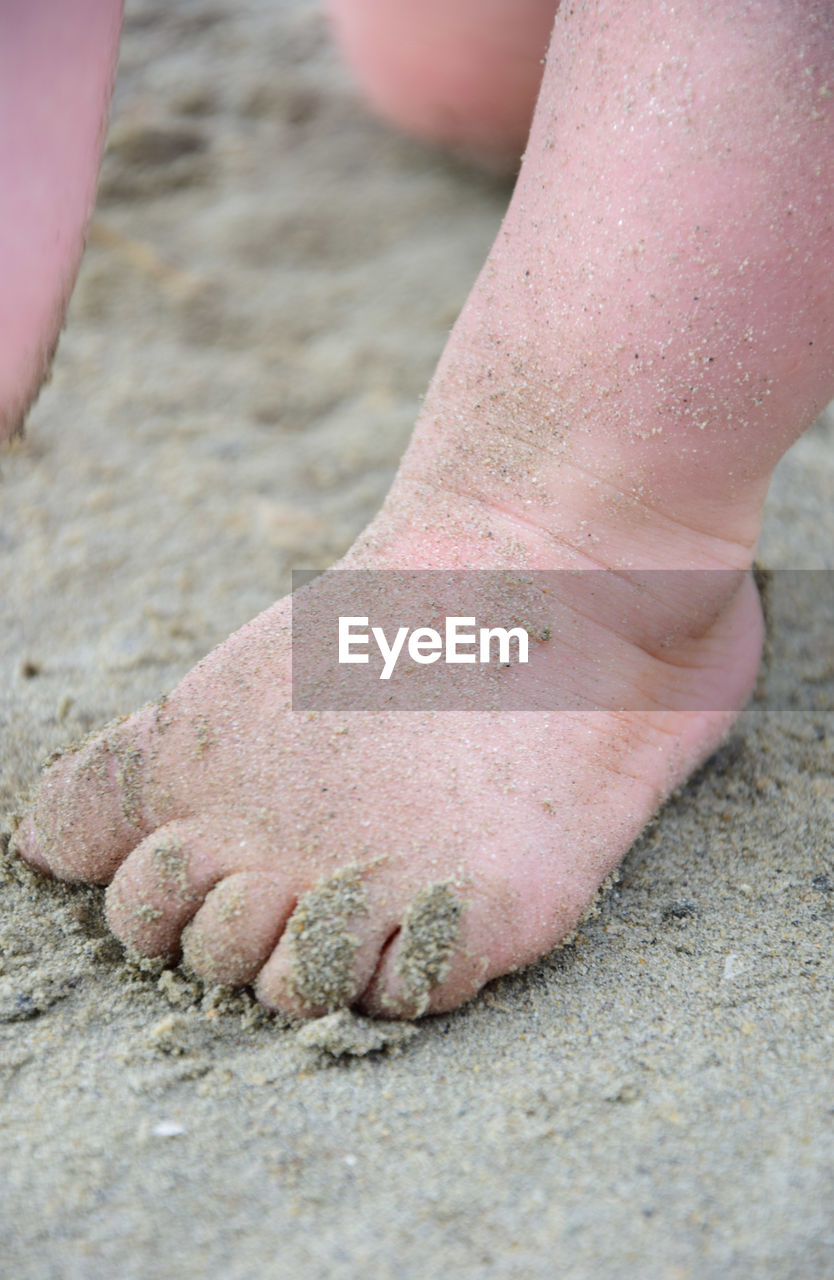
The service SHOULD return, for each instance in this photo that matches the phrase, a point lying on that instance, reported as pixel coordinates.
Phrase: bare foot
(395, 861)
(615, 394)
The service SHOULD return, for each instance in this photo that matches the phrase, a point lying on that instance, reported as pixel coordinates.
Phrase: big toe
(451, 940)
(89, 809)
(428, 957)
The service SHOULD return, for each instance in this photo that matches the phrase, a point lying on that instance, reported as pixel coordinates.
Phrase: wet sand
(270, 280)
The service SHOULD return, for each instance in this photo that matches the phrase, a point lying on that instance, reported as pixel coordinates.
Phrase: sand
(270, 279)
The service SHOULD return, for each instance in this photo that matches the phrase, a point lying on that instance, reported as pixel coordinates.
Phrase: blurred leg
(57, 63)
(462, 72)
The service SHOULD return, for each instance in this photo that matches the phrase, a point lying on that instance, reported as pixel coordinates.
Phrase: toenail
(323, 948)
(429, 933)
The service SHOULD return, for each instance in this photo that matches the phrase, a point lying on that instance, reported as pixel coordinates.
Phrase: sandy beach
(270, 278)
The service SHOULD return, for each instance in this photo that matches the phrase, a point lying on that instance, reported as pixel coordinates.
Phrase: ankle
(515, 506)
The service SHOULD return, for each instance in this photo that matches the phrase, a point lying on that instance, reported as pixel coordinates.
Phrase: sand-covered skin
(270, 280)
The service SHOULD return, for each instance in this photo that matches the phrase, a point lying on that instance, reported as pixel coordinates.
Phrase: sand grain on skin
(620, 1101)
(323, 946)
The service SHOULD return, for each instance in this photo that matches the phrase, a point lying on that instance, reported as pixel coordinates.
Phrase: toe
(455, 937)
(438, 959)
(89, 809)
(162, 885)
(26, 842)
(330, 947)
(393, 993)
(236, 928)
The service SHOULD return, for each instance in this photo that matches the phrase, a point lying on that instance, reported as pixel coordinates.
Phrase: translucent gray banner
(557, 640)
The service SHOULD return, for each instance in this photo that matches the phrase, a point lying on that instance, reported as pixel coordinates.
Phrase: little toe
(162, 884)
(89, 808)
(329, 949)
(236, 928)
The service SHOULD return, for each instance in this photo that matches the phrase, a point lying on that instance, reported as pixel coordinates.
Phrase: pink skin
(656, 310)
(463, 73)
(650, 332)
(57, 63)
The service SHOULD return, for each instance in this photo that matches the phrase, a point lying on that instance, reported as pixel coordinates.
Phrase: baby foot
(391, 861)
